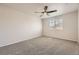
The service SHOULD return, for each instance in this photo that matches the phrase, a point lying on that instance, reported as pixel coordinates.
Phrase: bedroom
(30, 29)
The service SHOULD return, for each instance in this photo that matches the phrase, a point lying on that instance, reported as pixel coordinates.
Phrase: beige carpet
(41, 46)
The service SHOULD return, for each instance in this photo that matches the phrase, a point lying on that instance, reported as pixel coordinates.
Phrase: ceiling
(62, 8)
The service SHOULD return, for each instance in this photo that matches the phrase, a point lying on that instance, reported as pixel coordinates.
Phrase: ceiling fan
(46, 12)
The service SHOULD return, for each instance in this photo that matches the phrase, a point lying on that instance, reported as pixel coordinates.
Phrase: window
(59, 24)
(56, 23)
(52, 23)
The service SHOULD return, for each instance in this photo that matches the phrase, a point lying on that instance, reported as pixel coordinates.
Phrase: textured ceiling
(33, 7)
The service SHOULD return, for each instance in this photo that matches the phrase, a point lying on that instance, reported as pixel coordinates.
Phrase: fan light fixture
(45, 12)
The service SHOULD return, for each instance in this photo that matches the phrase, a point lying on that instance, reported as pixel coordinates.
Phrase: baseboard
(60, 38)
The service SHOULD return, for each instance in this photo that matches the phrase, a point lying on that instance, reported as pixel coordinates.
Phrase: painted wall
(78, 24)
(70, 26)
(16, 26)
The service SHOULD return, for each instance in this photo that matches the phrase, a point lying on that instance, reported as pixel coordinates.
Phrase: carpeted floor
(42, 46)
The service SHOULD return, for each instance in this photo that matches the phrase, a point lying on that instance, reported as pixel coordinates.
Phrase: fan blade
(41, 14)
(38, 12)
(47, 14)
(45, 8)
(51, 11)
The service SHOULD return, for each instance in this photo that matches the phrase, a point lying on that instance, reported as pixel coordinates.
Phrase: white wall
(16, 26)
(78, 24)
(70, 30)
